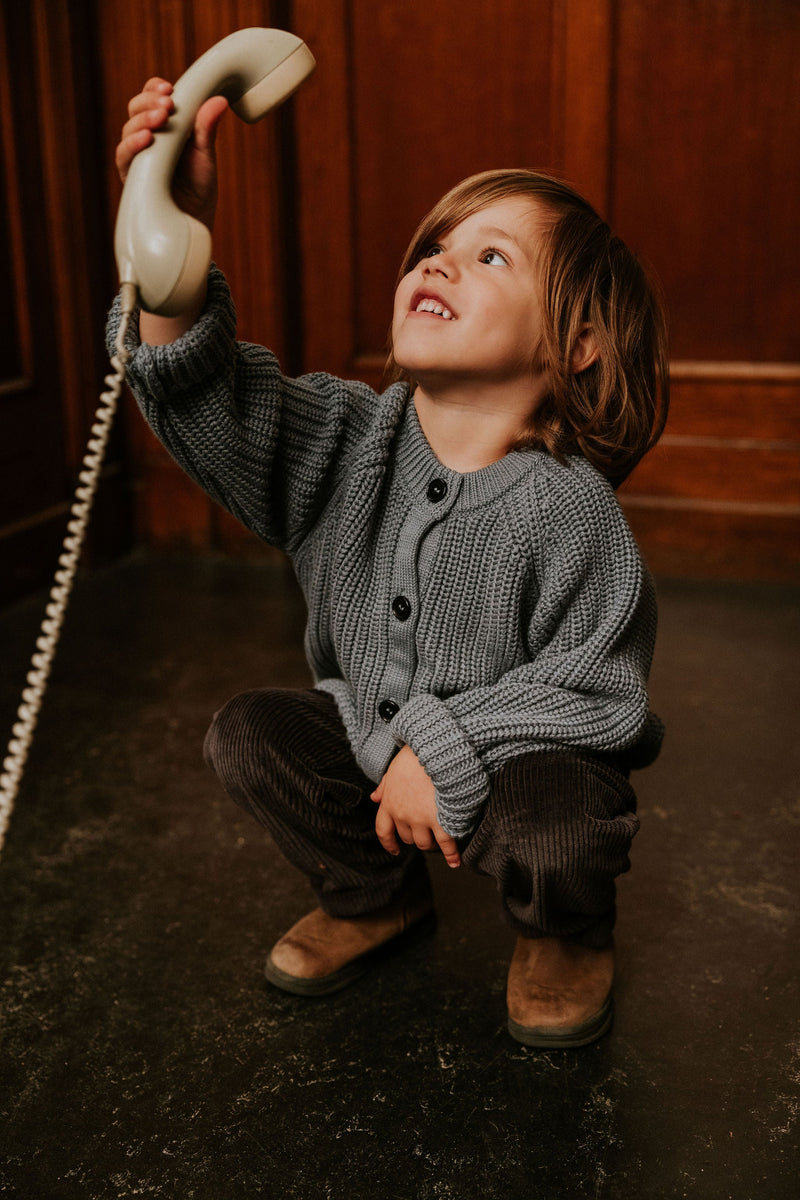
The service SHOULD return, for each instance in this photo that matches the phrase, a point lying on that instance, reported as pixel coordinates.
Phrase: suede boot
(321, 954)
(559, 993)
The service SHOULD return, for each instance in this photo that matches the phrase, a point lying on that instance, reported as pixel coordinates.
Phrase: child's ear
(585, 351)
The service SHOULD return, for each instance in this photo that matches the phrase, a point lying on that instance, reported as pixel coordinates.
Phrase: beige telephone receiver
(163, 257)
(160, 249)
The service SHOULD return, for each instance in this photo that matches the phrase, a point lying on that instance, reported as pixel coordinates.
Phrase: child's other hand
(407, 800)
(194, 186)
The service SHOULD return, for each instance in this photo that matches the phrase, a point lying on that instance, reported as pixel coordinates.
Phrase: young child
(480, 622)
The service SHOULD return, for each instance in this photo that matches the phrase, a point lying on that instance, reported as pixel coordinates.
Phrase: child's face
(470, 309)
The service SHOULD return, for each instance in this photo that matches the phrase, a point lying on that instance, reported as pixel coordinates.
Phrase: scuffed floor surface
(143, 1055)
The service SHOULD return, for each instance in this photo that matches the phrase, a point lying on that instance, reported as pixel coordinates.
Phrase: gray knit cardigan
(474, 616)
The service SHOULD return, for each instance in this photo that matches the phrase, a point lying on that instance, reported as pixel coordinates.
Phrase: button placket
(436, 498)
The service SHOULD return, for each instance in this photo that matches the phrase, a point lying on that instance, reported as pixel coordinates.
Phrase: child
(480, 622)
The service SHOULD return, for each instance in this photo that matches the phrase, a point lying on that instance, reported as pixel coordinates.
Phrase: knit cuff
(191, 358)
(462, 784)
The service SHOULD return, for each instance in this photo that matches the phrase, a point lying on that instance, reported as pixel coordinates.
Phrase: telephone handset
(162, 250)
(163, 256)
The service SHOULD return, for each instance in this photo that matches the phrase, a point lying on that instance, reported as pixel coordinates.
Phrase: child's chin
(417, 369)
(416, 358)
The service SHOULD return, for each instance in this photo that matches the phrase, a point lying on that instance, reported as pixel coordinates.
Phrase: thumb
(448, 847)
(207, 122)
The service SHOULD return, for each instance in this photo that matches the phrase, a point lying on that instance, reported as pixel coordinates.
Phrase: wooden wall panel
(52, 358)
(408, 100)
(31, 460)
(583, 60)
(136, 42)
(706, 129)
(432, 104)
(706, 182)
(325, 202)
(679, 122)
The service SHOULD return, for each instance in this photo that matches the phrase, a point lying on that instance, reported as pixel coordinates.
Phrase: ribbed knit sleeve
(268, 448)
(590, 642)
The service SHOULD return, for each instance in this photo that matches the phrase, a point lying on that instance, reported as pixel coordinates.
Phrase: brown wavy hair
(614, 410)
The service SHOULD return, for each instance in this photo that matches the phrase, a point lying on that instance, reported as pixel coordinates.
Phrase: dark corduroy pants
(555, 831)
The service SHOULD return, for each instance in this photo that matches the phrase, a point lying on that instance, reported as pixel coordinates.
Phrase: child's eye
(430, 251)
(494, 258)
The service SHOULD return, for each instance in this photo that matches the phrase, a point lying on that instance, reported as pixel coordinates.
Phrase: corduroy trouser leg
(554, 834)
(283, 756)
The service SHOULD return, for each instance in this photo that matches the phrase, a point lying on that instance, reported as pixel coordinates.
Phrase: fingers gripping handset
(163, 251)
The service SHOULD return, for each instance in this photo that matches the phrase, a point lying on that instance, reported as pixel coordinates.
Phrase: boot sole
(326, 985)
(565, 1039)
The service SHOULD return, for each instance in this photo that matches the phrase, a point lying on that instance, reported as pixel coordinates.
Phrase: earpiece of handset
(159, 248)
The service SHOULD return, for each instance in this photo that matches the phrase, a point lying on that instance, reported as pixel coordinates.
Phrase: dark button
(401, 607)
(388, 709)
(437, 490)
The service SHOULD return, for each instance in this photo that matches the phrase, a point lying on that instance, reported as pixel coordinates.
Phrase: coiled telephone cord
(49, 633)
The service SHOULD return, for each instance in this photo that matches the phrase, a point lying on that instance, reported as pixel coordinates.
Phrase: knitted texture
(475, 617)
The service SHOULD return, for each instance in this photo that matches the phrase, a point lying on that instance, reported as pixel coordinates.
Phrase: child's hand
(407, 800)
(194, 186)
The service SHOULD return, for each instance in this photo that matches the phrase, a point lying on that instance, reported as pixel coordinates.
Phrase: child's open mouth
(425, 303)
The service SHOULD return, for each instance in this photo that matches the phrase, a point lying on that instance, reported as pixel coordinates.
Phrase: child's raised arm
(194, 186)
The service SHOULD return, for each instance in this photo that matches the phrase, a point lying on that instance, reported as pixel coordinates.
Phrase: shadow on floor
(143, 1054)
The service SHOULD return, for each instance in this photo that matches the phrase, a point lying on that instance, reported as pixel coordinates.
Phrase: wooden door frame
(61, 278)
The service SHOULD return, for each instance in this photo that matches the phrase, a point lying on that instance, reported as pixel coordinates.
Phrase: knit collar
(417, 466)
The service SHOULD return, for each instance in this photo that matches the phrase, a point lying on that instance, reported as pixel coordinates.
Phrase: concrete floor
(143, 1054)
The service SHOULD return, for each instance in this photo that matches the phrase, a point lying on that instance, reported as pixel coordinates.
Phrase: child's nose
(440, 264)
